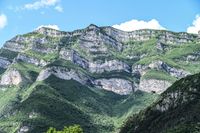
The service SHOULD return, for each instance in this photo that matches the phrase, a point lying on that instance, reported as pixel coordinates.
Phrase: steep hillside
(95, 77)
(176, 111)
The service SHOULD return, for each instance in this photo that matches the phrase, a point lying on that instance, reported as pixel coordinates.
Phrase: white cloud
(139, 24)
(49, 26)
(59, 8)
(41, 4)
(195, 26)
(3, 21)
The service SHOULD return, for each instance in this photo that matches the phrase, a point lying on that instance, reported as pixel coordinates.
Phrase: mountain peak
(92, 26)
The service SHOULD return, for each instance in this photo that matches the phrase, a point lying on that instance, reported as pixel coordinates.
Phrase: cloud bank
(195, 26)
(3, 21)
(139, 24)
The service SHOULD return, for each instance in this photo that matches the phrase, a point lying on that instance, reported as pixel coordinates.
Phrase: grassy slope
(59, 102)
(173, 56)
(159, 75)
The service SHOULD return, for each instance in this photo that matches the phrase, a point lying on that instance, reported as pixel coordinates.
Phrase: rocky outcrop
(153, 85)
(44, 50)
(175, 38)
(93, 37)
(138, 35)
(64, 73)
(18, 43)
(33, 115)
(112, 65)
(51, 32)
(33, 42)
(94, 67)
(14, 46)
(122, 36)
(119, 86)
(31, 60)
(194, 57)
(23, 129)
(73, 56)
(161, 47)
(44, 44)
(11, 77)
(166, 37)
(4, 62)
(160, 65)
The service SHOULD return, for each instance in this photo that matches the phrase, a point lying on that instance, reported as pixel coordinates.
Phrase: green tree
(73, 129)
(70, 129)
(51, 130)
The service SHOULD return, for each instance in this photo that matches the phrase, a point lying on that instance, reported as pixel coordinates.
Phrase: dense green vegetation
(38, 55)
(181, 116)
(56, 102)
(2, 70)
(8, 54)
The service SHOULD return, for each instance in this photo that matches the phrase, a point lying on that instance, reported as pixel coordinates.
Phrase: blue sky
(22, 16)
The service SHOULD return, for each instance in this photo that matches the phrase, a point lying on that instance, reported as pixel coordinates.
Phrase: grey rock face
(94, 67)
(93, 37)
(17, 43)
(160, 65)
(39, 44)
(73, 56)
(171, 38)
(64, 73)
(112, 65)
(119, 86)
(24, 129)
(11, 77)
(44, 50)
(4, 62)
(153, 85)
(139, 69)
(192, 57)
(166, 37)
(161, 47)
(31, 60)
(14, 46)
(43, 45)
(51, 32)
(33, 115)
(122, 36)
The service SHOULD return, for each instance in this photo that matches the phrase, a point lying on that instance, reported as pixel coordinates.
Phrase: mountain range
(99, 78)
